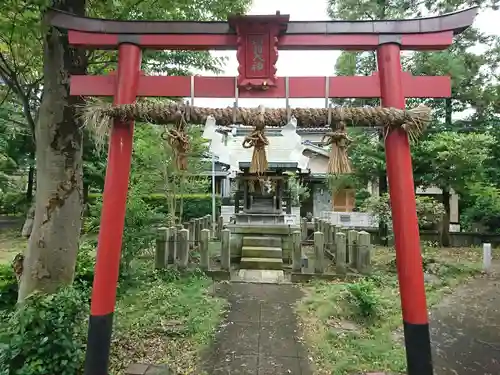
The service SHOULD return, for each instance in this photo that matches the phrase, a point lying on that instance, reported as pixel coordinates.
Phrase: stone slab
(261, 263)
(262, 241)
(261, 276)
(261, 252)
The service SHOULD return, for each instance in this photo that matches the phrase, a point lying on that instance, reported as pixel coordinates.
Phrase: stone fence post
(303, 228)
(225, 253)
(319, 252)
(183, 248)
(340, 253)
(352, 250)
(364, 252)
(296, 251)
(204, 254)
(161, 248)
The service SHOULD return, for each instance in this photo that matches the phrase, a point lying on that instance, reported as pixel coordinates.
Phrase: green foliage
(364, 298)
(451, 159)
(298, 190)
(194, 206)
(45, 335)
(485, 209)
(12, 202)
(8, 287)
(429, 211)
(141, 219)
(362, 195)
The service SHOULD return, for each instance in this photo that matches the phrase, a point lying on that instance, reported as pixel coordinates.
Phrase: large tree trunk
(445, 230)
(31, 182)
(51, 254)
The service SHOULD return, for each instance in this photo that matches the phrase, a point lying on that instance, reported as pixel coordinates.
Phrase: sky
(291, 63)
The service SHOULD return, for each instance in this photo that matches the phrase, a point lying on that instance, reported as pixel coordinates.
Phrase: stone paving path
(260, 334)
(465, 329)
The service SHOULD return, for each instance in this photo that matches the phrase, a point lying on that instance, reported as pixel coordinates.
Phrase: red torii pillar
(392, 85)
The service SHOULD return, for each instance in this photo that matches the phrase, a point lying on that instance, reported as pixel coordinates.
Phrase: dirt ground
(465, 328)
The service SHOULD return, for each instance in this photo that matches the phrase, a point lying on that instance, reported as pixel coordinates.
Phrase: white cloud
(319, 63)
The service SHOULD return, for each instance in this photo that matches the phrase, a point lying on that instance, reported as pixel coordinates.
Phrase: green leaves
(451, 159)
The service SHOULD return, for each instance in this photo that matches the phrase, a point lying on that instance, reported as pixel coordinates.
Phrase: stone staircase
(261, 253)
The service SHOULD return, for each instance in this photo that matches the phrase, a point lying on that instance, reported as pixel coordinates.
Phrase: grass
(169, 319)
(357, 327)
(160, 316)
(11, 243)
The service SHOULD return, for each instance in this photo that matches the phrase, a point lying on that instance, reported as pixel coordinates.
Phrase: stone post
(204, 255)
(352, 249)
(364, 252)
(183, 248)
(161, 248)
(316, 224)
(303, 228)
(197, 231)
(340, 253)
(225, 253)
(332, 229)
(220, 225)
(319, 252)
(172, 244)
(191, 228)
(327, 232)
(296, 251)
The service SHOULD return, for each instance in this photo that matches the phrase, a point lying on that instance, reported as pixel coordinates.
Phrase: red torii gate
(270, 34)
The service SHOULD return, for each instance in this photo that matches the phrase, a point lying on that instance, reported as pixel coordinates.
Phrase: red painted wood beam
(300, 87)
(353, 42)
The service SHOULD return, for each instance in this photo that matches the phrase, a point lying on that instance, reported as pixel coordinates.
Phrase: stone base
(281, 233)
(260, 276)
(260, 218)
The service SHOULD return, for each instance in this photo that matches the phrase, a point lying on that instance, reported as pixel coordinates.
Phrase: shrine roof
(455, 21)
(273, 165)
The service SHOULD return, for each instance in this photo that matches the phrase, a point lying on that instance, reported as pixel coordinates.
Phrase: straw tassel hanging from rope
(258, 140)
(179, 142)
(338, 140)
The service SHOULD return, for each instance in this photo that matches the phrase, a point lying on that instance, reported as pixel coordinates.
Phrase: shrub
(139, 232)
(45, 335)
(194, 205)
(485, 209)
(8, 287)
(363, 296)
(12, 203)
(429, 211)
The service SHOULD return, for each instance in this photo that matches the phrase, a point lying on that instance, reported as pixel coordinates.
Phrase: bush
(141, 219)
(8, 287)
(194, 205)
(45, 335)
(85, 264)
(485, 209)
(429, 211)
(363, 296)
(13, 203)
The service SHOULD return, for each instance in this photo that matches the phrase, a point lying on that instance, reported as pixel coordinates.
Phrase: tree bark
(53, 245)
(31, 181)
(445, 230)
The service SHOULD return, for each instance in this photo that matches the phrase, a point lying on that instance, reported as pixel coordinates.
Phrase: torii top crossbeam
(433, 33)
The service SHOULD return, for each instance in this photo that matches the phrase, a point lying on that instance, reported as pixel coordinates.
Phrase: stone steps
(261, 252)
(261, 263)
(258, 241)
